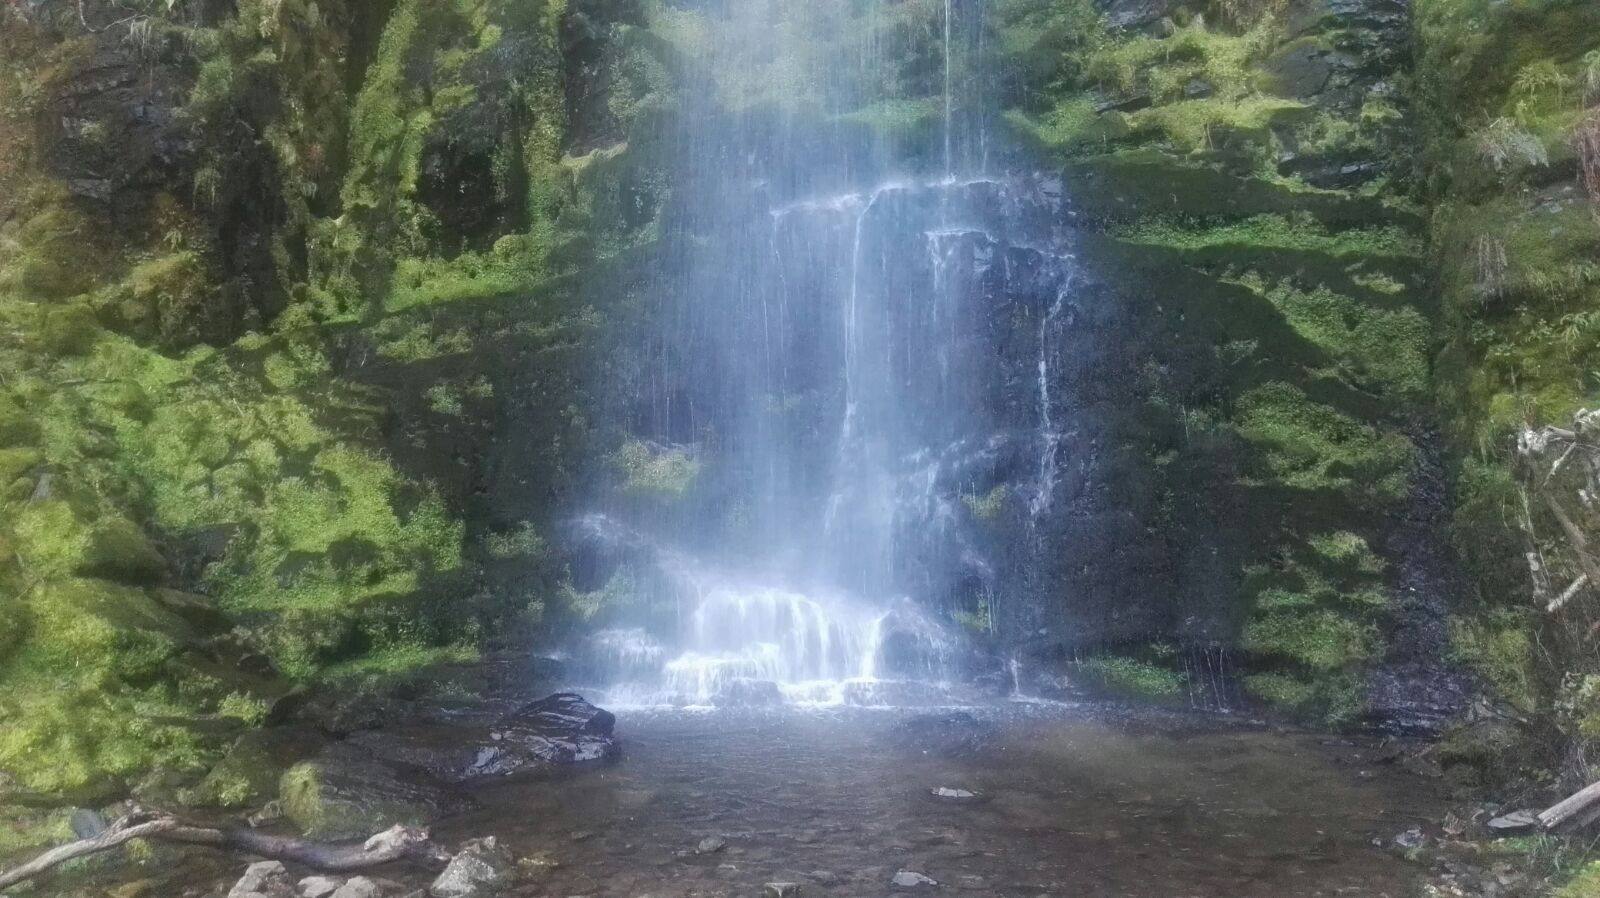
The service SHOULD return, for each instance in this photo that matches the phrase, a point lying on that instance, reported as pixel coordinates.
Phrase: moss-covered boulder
(345, 793)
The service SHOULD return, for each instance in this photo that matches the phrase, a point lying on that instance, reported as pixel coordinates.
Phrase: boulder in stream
(556, 731)
(344, 792)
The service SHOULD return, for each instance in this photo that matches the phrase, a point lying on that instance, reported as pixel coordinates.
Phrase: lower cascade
(740, 642)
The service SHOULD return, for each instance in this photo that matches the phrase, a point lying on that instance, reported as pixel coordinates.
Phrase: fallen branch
(1579, 810)
(1557, 603)
(106, 841)
(398, 843)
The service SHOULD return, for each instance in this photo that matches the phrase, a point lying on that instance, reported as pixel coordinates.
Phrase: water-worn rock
(319, 886)
(780, 890)
(358, 887)
(555, 731)
(1123, 14)
(267, 879)
(908, 879)
(951, 794)
(711, 845)
(344, 792)
(481, 868)
(1514, 823)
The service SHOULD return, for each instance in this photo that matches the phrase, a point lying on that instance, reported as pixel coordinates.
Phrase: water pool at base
(1081, 802)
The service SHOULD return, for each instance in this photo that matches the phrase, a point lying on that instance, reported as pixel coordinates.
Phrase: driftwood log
(398, 843)
(1577, 811)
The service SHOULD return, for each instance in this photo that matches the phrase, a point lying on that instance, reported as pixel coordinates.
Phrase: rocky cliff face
(290, 377)
(317, 314)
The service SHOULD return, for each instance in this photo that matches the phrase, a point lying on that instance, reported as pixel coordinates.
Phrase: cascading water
(839, 298)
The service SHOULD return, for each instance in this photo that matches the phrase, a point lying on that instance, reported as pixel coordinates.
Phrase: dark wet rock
(86, 823)
(346, 792)
(957, 734)
(1129, 14)
(482, 868)
(908, 879)
(553, 732)
(1128, 103)
(825, 878)
(1416, 690)
(780, 890)
(267, 879)
(1514, 824)
(748, 693)
(343, 712)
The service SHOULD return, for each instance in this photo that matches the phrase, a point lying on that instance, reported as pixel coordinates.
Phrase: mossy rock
(1135, 678)
(1336, 699)
(1140, 184)
(251, 770)
(56, 538)
(1479, 754)
(16, 426)
(345, 793)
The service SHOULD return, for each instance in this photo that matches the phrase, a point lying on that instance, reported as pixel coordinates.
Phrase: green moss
(1133, 678)
(1377, 348)
(1336, 700)
(1584, 884)
(1279, 232)
(25, 832)
(1319, 640)
(1308, 445)
(988, 506)
(649, 472)
(1499, 647)
(1194, 125)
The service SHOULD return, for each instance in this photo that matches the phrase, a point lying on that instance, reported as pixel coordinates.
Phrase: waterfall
(839, 303)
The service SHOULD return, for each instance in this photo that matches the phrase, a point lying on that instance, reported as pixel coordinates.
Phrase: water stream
(846, 313)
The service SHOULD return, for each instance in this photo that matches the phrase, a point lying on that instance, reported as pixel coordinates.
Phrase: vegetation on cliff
(1238, 161)
(1510, 110)
(243, 262)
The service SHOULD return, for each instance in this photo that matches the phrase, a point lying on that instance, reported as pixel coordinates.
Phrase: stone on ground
(266, 879)
(482, 868)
